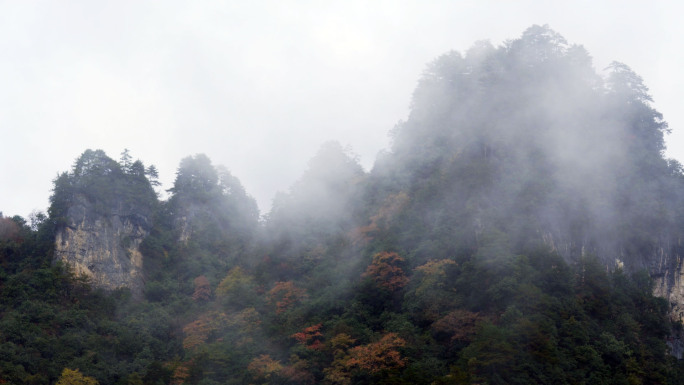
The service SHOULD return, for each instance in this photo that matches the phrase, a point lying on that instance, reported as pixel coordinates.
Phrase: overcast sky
(258, 86)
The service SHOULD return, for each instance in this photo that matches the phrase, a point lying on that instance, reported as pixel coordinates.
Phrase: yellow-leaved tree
(237, 288)
(75, 377)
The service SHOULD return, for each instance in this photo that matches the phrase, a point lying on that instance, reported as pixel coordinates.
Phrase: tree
(459, 325)
(320, 203)
(198, 332)
(433, 289)
(125, 160)
(264, 367)
(105, 184)
(377, 356)
(626, 83)
(196, 177)
(236, 288)
(310, 337)
(137, 169)
(213, 203)
(95, 162)
(385, 271)
(284, 295)
(9, 230)
(135, 379)
(181, 373)
(202, 289)
(74, 377)
(153, 175)
(491, 355)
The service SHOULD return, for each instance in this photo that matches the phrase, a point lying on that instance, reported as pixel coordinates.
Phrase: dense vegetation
(480, 249)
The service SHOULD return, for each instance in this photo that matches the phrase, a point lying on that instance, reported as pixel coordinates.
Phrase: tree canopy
(514, 233)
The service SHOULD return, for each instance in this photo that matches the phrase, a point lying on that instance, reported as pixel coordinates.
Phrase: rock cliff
(667, 272)
(103, 247)
(662, 258)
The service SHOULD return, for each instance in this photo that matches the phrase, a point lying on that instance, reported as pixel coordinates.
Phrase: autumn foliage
(181, 373)
(237, 282)
(479, 249)
(8, 229)
(373, 358)
(433, 289)
(285, 294)
(310, 337)
(74, 377)
(459, 325)
(264, 367)
(297, 373)
(202, 289)
(385, 271)
(197, 332)
(391, 207)
(378, 356)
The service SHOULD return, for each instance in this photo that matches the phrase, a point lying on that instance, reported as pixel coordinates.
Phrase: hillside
(524, 227)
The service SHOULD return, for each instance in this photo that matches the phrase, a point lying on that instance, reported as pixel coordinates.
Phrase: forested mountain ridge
(102, 211)
(528, 141)
(529, 133)
(514, 233)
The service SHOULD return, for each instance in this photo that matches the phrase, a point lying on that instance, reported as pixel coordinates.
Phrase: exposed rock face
(667, 272)
(662, 259)
(103, 247)
(187, 217)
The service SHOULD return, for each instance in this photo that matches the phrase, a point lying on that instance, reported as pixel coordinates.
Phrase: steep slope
(207, 197)
(104, 248)
(527, 142)
(322, 205)
(484, 247)
(103, 211)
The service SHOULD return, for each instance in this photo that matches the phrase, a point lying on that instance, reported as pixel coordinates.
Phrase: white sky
(258, 86)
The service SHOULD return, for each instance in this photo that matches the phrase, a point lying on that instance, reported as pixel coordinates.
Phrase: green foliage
(52, 319)
(237, 288)
(320, 205)
(112, 187)
(475, 251)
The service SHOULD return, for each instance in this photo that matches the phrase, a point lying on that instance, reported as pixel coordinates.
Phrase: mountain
(524, 227)
(527, 142)
(103, 210)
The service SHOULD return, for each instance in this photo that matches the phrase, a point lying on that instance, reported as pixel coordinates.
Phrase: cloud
(259, 87)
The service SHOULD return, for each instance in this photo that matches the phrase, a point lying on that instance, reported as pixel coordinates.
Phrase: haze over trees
(512, 234)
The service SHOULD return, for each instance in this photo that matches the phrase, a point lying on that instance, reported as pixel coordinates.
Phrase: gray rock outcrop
(105, 248)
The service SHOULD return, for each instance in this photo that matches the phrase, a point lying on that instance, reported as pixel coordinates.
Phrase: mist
(260, 88)
(523, 224)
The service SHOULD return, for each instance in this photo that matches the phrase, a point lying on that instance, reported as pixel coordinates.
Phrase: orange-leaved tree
(459, 325)
(181, 373)
(284, 295)
(197, 332)
(310, 337)
(385, 270)
(202, 289)
(375, 358)
(297, 372)
(378, 356)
